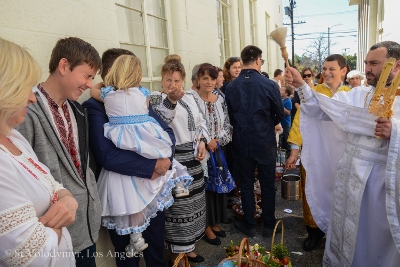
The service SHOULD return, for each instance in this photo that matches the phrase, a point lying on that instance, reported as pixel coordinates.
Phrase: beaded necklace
(27, 161)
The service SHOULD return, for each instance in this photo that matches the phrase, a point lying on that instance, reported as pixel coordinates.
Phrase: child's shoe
(136, 246)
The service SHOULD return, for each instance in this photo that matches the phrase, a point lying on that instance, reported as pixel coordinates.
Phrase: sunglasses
(262, 61)
(307, 76)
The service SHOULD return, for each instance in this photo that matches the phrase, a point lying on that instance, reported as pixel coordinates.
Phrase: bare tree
(318, 50)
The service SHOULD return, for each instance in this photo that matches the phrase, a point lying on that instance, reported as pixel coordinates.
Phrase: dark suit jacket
(255, 107)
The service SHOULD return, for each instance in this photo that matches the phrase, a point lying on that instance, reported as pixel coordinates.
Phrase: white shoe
(134, 247)
(181, 191)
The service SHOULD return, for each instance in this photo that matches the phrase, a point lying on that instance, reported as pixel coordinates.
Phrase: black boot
(314, 236)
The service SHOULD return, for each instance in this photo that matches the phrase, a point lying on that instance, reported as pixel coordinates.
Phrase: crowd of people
(136, 161)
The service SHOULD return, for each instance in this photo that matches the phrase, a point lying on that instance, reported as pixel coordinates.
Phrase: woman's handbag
(219, 178)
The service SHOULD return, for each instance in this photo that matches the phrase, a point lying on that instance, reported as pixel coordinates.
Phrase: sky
(319, 15)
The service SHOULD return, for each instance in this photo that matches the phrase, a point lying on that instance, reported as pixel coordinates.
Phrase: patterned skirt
(185, 220)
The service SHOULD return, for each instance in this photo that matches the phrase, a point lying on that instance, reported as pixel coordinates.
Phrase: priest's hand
(383, 128)
(293, 77)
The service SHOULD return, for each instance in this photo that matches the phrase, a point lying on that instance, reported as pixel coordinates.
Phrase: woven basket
(178, 259)
(273, 238)
(245, 258)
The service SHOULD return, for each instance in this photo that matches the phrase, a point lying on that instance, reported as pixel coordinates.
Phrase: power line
(337, 32)
(327, 14)
(299, 39)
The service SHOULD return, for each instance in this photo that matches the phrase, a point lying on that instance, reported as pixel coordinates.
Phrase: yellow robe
(295, 138)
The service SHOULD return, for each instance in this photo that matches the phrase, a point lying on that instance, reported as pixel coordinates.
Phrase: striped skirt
(185, 220)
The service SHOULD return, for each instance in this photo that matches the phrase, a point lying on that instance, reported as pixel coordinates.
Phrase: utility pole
(329, 40)
(289, 12)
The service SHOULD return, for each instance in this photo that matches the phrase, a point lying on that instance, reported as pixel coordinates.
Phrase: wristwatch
(204, 140)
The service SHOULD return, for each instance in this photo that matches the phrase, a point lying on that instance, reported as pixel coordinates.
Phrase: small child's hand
(95, 91)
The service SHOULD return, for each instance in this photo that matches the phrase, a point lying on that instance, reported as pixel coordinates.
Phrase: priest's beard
(375, 80)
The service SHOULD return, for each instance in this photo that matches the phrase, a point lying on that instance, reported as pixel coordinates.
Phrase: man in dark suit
(255, 107)
(125, 162)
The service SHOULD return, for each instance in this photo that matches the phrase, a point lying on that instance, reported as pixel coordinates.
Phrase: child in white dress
(130, 202)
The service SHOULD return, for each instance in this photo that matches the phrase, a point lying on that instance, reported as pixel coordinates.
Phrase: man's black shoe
(250, 232)
(268, 232)
(314, 237)
(310, 243)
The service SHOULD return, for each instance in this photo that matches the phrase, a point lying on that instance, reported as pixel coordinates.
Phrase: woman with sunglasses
(306, 73)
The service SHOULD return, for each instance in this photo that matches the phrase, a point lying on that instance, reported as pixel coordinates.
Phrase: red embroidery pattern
(54, 198)
(68, 141)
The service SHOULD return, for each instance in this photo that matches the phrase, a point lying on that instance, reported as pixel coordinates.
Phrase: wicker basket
(245, 258)
(273, 238)
(178, 259)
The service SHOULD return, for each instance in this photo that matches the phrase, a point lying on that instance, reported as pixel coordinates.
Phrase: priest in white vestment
(354, 193)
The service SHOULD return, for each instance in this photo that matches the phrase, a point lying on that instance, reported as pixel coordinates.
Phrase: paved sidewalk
(294, 235)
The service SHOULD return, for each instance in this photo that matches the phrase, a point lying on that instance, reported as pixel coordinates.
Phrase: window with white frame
(142, 27)
(252, 22)
(223, 30)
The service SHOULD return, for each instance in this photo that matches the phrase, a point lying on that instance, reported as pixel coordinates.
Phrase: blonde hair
(19, 72)
(125, 73)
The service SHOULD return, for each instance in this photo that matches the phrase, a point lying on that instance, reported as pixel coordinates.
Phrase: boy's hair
(171, 65)
(288, 90)
(277, 72)
(76, 51)
(108, 58)
(207, 68)
(125, 73)
(339, 58)
(250, 54)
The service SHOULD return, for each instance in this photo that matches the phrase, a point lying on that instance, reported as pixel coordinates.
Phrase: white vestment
(353, 178)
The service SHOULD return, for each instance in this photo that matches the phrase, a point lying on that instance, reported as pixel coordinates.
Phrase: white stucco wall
(192, 26)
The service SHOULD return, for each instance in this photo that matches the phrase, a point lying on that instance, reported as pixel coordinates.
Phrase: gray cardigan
(38, 129)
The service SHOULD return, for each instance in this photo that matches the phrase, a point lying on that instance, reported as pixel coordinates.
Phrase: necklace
(366, 97)
(27, 162)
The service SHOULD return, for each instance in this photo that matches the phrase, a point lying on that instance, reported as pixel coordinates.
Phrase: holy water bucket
(290, 185)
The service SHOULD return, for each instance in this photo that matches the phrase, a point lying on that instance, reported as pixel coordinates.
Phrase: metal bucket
(290, 186)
